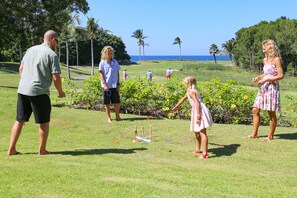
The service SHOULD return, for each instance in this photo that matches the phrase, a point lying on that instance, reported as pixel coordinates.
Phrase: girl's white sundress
(268, 97)
(206, 119)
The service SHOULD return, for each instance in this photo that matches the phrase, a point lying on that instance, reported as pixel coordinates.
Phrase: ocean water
(135, 58)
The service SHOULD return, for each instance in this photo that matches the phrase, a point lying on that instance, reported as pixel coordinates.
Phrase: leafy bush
(290, 109)
(227, 102)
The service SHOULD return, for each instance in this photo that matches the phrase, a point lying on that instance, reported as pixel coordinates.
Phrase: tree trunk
(76, 43)
(180, 52)
(143, 53)
(92, 55)
(21, 54)
(59, 52)
(67, 56)
(139, 53)
(215, 59)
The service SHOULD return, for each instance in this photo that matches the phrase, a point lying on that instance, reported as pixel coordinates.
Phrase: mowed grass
(93, 158)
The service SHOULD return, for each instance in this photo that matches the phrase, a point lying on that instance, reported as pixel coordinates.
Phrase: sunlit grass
(92, 158)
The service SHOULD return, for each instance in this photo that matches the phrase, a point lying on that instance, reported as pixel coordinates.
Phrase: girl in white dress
(200, 115)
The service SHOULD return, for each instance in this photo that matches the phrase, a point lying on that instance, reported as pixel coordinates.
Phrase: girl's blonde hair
(104, 52)
(190, 83)
(273, 50)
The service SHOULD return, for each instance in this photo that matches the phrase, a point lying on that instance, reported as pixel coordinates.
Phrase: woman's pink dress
(206, 119)
(268, 97)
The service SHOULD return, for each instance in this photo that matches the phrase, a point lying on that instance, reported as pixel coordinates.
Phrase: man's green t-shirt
(39, 63)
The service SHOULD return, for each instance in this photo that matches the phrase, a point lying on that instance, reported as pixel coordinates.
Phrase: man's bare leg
(15, 133)
(43, 134)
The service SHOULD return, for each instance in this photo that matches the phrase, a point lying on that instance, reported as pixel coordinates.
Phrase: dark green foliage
(23, 24)
(228, 102)
(248, 49)
(102, 40)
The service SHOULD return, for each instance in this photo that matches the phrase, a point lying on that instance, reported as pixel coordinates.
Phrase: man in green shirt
(38, 68)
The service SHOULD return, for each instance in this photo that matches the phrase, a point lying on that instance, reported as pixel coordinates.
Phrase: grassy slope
(96, 159)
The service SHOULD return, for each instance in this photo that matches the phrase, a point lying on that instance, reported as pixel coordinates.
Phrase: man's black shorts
(40, 105)
(112, 96)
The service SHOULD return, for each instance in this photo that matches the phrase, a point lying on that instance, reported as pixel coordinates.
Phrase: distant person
(110, 81)
(200, 115)
(125, 74)
(149, 75)
(268, 97)
(168, 73)
(39, 67)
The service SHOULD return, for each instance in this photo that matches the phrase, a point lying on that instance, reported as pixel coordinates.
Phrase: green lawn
(93, 158)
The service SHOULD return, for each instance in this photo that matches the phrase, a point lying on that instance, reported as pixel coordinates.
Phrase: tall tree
(69, 29)
(32, 18)
(228, 47)
(178, 41)
(142, 43)
(75, 36)
(214, 50)
(138, 34)
(92, 29)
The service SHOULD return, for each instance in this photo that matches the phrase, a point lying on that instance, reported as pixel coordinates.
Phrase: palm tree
(228, 46)
(142, 43)
(92, 28)
(138, 34)
(178, 41)
(69, 28)
(214, 50)
(78, 34)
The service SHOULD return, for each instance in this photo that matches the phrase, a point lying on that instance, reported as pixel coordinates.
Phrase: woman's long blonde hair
(104, 52)
(273, 50)
(190, 83)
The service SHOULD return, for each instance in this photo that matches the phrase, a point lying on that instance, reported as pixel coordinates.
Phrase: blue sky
(199, 23)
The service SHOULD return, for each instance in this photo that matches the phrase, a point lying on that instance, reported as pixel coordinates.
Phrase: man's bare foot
(44, 153)
(13, 153)
(109, 120)
(251, 136)
(267, 139)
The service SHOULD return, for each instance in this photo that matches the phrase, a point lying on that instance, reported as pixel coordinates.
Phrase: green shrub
(228, 102)
(291, 110)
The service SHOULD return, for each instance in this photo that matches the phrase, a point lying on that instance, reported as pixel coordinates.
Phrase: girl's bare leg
(273, 121)
(204, 141)
(256, 122)
(198, 142)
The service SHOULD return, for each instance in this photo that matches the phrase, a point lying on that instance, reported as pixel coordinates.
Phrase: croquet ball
(169, 151)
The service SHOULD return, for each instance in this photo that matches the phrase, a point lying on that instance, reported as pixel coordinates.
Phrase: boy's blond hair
(104, 52)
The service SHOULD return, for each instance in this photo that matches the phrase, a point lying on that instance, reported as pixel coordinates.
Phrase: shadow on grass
(287, 136)
(223, 150)
(8, 87)
(10, 67)
(140, 118)
(98, 151)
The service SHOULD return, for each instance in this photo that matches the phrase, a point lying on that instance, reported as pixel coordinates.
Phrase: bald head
(50, 34)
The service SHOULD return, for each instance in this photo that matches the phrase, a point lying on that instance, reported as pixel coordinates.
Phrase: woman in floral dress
(268, 97)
